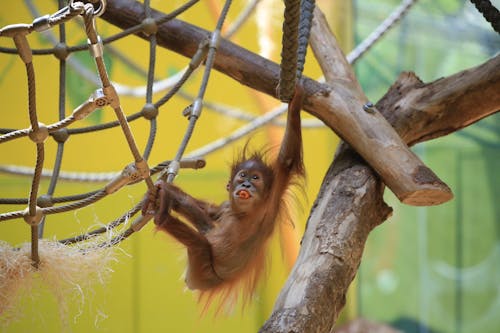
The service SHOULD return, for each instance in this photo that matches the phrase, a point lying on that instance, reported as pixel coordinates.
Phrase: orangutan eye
(255, 177)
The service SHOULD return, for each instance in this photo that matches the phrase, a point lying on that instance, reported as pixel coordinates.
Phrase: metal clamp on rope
(99, 98)
(187, 111)
(96, 100)
(96, 50)
(98, 11)
(112, 96)
(193, 163)
(38, 134)
(33, 219)
(171, 171)
(196, 109)
(215, 39)
(42, 23)
(129, 175)
(149, 26)
(200, 54)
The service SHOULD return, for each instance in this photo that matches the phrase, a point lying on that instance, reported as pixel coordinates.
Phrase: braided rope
(289, 42)
(306, 16)
(112, 225)
(296, 29)
(14, 134)
(490, 13)
(76, 205)
(298, 36)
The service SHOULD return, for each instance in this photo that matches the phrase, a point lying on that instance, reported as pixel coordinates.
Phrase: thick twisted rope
(296, 28)
(490, 13)
(288, 73)
(306, 16)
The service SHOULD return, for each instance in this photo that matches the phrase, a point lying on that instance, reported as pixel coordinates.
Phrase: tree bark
(349, 204)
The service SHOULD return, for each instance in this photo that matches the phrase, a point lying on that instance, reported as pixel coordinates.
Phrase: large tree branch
(349, 204)
(261, 74)
(339, 105)
(421, 112)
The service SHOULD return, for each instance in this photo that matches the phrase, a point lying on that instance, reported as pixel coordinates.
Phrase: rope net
(152, 100)
(39, 205)
(107, 95)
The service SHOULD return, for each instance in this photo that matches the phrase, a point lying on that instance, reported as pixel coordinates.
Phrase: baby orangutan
(226, 243)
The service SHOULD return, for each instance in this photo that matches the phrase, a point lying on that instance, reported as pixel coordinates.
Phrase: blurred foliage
(434, 269)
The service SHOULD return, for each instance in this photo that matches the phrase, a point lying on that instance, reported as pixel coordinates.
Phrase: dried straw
(66, 271)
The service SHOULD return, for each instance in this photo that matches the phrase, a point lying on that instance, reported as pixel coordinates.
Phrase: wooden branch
(261, 74)
(404, 173)
(349, 204)
(339, 105)
(422, 112)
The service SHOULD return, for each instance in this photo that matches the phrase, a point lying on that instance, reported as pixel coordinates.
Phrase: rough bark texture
(349, 204)
(347, 208)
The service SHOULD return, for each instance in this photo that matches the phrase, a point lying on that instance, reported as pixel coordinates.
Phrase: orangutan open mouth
(243, 194)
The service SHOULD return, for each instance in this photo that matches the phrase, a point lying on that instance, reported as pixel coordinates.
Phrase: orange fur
(227, 243)
(242, 286)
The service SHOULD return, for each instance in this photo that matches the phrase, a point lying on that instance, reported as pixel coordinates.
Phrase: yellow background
(145, 293)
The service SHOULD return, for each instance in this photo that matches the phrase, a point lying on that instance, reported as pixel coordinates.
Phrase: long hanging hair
(243, 285)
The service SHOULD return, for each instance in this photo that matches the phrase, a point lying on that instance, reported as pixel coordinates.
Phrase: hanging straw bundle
(66, 271)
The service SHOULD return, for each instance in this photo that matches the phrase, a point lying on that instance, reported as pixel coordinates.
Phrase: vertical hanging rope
(306, 16)
(296, 28)
(62, 107)
(289, 46)
(490, 13)
(195, 110)
(150, 79)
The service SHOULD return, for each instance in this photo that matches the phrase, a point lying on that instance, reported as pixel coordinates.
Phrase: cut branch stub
(339, 105)
(377, 142)
(366, 130)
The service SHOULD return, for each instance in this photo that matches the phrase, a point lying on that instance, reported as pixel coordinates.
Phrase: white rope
(395, 16)
(253, 125)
